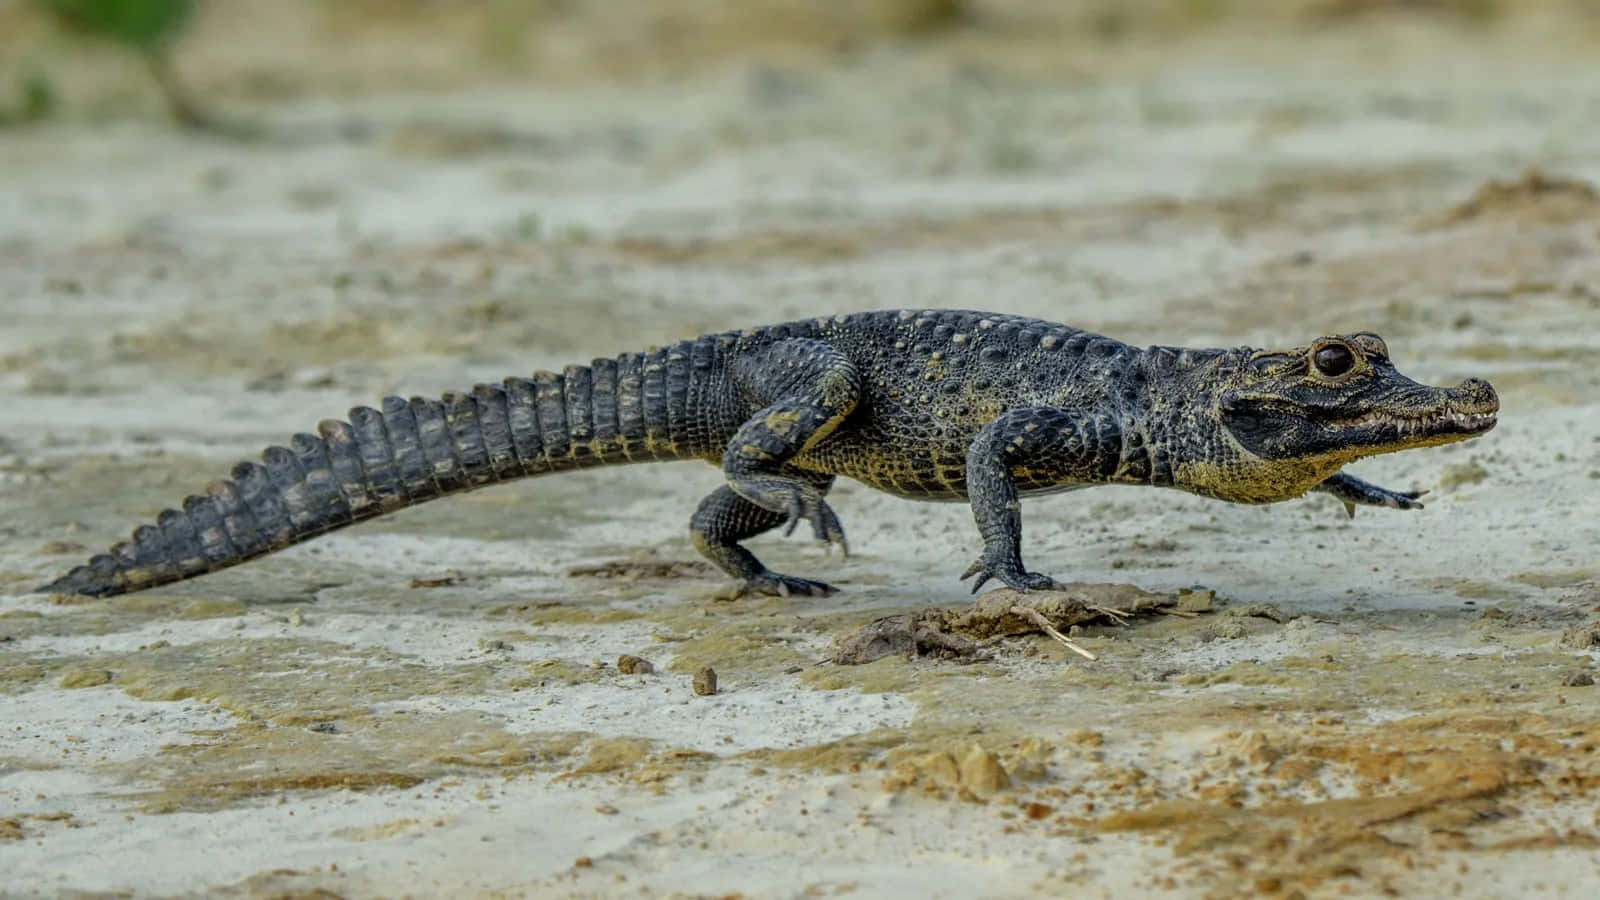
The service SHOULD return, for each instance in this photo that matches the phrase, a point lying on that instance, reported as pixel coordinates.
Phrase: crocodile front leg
(1041, 446)
(1351, 490)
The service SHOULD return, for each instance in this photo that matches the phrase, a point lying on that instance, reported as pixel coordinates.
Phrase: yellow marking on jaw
(1254, 480)
(1251, 479)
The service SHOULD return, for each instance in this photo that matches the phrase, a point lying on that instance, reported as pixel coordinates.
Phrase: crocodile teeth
(1409, 425)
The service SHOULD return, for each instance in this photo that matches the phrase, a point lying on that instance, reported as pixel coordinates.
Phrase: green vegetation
(148, 28)
(144, 25)
(36, 97)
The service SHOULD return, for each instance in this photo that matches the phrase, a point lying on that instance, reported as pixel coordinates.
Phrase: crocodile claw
(1012, 576)
(824, 522)
(1388, 498)
(775, 584)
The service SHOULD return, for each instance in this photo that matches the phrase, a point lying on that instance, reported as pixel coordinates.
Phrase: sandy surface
(1411, 716)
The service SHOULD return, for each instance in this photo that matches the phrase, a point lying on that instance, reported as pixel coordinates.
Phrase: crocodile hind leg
(807, 387)
(1351, 490)
(724, 519)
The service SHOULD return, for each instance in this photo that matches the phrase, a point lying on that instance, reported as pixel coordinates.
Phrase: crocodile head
(1342, 397)
(1298, 415)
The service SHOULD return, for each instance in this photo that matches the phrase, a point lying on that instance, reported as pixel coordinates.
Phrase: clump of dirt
(628, 664)
(975, 774)
(1533, 199)
(907, 634)
(962, 634)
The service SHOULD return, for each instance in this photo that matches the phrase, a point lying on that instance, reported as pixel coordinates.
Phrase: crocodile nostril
(1479, 394)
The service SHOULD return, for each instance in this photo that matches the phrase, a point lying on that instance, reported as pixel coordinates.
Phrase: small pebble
(705, 681)
(628, 664)
(1578, 678)
(442, 580)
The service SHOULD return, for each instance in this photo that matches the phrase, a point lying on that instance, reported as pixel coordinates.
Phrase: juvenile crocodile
(925, 404)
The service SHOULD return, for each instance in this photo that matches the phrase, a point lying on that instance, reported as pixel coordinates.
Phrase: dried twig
(1119, 616)
(1037, 618)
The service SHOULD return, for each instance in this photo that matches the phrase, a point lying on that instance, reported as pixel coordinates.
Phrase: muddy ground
(430, 703)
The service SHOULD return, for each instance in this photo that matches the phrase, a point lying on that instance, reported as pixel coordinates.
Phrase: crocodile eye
(1334, 360)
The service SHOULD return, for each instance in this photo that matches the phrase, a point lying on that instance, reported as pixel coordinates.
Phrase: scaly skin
(930, 405)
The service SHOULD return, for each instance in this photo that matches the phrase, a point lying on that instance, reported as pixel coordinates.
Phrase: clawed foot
(1378, 496)
(1011, 574)
(824, 523)
(774, 584)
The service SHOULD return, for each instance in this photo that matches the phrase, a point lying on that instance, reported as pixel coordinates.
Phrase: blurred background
(299, 48)
(414, 180)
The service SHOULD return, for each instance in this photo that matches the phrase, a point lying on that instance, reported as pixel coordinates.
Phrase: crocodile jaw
(1440, 426)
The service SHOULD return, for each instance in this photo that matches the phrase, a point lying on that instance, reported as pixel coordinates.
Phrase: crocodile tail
(635, 408)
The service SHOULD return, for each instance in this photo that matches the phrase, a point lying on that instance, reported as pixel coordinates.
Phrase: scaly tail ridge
(412, 451)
